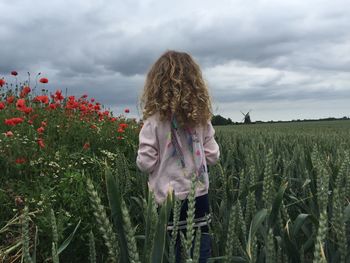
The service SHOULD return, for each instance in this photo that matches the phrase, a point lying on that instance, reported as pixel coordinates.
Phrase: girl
(177, 138)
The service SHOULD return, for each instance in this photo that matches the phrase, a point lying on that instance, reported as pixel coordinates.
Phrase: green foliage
(280, 191)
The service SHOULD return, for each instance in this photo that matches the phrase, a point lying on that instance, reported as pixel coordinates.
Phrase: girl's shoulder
(155, 118)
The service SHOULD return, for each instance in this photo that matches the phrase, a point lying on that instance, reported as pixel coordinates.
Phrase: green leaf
(115, 201)
(347, 213)
(161, 231)
(254, 226)
(35, 244)
(298, 223)
(65, 243)
(276, 205)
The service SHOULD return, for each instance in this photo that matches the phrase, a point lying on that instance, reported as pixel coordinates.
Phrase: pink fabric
(155, 156)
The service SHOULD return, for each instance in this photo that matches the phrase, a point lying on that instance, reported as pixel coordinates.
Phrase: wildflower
(40, 130)
(20, 104)
(19, 201)
(30, 122)
(2, 82)
(120, 130)
(8, 134)
(53, 106)
(126, 110)
(42, 98)
(84, 96)
(10, 99)
(86, 146)
(83, 108)
(58, 95)
(27, 110)
(41, 143)
(44, 80)
(25, 91)
(14, 73)
(92, 99)
(2, 105)
(34, 116)
(13, 121)
(43, 123)
(20, 160)
(123, 125)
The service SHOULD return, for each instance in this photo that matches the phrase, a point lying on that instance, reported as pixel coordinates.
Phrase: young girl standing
(177, 138)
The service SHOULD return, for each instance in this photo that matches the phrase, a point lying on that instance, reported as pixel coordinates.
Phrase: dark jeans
(205, 249)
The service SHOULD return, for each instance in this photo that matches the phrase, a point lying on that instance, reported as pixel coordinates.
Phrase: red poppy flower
(123, 125)
(83, 107)
(58, 95)
(42, 98)
(2, 82)
(120, 130)
(13, 121)
(10, 99)
(20, 160)
(21, 103)
(43, 123)
(126, 110)
(44, 80)
(14, 73)
(25, 91)
(40, 130)
(2, 105)
(52, 106)
(8, 134)
(92, 99)
(27, 110)
(41, 143)
(86, 146)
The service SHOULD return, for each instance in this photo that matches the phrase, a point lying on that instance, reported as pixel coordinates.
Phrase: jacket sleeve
(211, 148)
(148, 152)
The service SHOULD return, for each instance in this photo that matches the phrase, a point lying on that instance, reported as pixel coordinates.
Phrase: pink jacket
(155, 156)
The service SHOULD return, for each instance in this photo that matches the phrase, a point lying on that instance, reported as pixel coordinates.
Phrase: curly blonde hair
(175, 87)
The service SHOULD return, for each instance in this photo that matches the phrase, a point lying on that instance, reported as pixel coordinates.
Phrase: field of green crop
(70, 190)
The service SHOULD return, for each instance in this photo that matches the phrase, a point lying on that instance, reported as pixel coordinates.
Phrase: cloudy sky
(283, 60)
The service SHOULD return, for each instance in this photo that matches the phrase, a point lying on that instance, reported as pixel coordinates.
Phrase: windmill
(246, 118)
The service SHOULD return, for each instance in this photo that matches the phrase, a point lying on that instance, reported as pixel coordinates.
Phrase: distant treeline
(220, 120)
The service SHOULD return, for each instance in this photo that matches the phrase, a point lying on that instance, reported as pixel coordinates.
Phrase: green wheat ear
(231, 239)
(104, 225)
(151, 221)
(130, 235)
(174, 233)
(55, 257)
(92, 249)
(268, 189)
(197, 244)
(190, 217)
(25, 236)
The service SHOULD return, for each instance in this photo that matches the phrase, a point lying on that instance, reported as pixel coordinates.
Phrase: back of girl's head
(175, 87)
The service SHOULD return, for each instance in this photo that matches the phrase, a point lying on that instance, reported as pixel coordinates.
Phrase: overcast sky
(283, 60)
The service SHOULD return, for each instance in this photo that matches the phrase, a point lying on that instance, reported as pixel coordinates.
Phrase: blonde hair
(175, 87)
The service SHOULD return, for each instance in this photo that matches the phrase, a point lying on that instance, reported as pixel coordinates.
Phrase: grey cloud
(105, 49)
